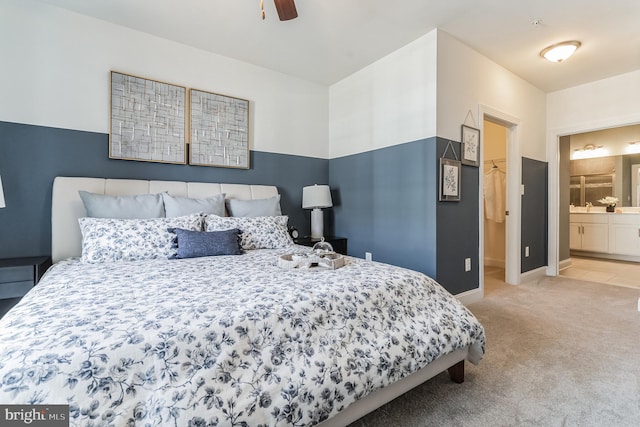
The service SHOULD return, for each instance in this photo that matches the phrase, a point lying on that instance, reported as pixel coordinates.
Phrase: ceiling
(331, 39)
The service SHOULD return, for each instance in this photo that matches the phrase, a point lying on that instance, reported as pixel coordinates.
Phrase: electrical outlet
(467, 264)
(367, 256)
(526, 251)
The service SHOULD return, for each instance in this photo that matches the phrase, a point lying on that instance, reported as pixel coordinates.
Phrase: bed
(222, 340)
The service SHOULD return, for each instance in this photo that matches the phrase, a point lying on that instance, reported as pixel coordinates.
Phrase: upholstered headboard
(67, 207)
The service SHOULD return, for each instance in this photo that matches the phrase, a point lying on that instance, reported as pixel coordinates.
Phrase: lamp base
(317, 223)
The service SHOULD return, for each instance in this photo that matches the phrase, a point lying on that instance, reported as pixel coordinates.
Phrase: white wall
(466, 79)
(55, 72)
(389, 102)
(596, 105)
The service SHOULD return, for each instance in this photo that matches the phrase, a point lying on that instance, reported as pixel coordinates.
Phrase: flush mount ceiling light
(560, 51)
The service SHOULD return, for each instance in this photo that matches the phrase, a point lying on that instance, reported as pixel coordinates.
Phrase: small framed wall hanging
(450, 176)
(148, 120)
(219, 130)
(470, 146)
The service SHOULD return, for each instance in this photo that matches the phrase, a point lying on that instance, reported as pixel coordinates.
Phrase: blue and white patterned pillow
(260, 232)
(109, 240)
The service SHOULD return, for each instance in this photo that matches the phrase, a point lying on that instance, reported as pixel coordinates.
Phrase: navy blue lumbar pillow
(192, 244)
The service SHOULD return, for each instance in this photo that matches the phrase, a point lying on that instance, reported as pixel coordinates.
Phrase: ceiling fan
(286, 9)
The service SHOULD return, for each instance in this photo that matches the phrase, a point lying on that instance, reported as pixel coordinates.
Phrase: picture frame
(470, 138)
(219, 130)
(450, 180)
(148, 120)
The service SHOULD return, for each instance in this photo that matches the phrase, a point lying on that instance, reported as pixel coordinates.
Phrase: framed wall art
(470, 146)
(449, 180)
(219, 130)
(148, 120)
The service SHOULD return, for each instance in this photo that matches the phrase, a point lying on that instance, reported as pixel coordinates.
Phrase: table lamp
(316, 197)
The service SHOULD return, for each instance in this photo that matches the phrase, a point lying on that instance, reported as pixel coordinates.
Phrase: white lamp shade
(316, 196)
(2, 205)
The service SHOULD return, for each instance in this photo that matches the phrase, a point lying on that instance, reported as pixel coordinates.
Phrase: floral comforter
(228, 340)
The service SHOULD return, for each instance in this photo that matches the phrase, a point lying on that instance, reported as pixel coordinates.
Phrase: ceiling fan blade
(286, 9)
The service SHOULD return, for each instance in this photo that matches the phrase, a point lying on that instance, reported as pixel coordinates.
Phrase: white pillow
(109, 239)
(260, 232)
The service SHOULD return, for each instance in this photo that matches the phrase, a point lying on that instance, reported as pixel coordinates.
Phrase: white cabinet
(589, 232)
(624, 234)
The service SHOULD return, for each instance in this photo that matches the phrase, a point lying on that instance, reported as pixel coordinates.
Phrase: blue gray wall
(388, 205)
(386, 200)
(534, 214)
(31, 156)
(459, 231)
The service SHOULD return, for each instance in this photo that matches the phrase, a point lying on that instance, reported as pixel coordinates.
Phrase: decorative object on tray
(321, 255)
(610, 201)
(148, 120)
(219, 130)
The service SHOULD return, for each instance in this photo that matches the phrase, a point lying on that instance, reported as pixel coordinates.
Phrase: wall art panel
(148, 120)
(219, 130)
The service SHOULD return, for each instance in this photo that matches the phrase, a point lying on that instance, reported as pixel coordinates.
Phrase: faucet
(589, 206)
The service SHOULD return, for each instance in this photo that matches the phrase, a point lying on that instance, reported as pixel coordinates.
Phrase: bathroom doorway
(593, 165)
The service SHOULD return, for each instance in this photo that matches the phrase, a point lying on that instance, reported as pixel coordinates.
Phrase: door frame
(553, 159)
(513, 235)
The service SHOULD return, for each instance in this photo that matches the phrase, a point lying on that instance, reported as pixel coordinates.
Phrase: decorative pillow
(179, 206)
(192, 244)
(261, 232)
(109, 239)
(122, 207)
(258, 207)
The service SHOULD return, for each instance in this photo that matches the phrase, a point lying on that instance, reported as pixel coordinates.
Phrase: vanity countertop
(601, 210)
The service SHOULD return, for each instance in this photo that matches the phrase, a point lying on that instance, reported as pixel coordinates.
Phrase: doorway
(585, 176)
(494, 170)
(510, 147)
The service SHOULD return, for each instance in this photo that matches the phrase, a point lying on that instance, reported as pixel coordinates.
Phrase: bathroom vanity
(603, 234)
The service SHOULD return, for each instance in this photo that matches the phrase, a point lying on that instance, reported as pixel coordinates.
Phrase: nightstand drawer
(15, 289)
(17, 274)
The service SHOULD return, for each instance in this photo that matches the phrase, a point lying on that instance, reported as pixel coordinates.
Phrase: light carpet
(560, 352)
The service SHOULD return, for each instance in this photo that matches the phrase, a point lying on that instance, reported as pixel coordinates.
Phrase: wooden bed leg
(456, 372)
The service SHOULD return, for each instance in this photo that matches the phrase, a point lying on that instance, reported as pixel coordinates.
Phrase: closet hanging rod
(489, 162)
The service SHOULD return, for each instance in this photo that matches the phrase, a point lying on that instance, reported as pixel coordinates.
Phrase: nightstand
(19, 275)
(339, 243)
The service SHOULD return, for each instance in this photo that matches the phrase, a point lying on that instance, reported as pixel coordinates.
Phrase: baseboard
(533, 275)
(469, 297)
(494, 262)
(564, 264)
(617, 257)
